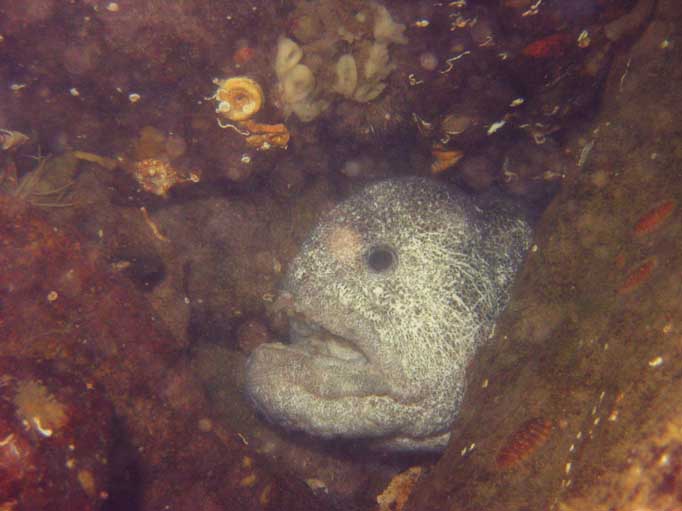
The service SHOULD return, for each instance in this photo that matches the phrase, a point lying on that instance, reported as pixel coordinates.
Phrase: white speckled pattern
(381, 354)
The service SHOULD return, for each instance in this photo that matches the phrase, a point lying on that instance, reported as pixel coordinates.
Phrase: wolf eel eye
(381, 258)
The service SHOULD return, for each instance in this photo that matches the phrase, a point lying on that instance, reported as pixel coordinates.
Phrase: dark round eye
(381, 258)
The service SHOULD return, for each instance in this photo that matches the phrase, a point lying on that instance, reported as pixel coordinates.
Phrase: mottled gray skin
(379, 346)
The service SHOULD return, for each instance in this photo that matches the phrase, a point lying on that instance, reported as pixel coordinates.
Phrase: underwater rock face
(63, 305)
(591, 342)
(389, 298)
(55, 438)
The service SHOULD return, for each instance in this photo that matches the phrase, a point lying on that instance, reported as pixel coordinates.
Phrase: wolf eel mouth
(314, 338)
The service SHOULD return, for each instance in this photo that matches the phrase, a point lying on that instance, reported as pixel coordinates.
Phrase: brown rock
(251, 334)
(605, 367)
(109, 335)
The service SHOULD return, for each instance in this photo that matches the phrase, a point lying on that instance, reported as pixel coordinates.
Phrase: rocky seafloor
(141, 245)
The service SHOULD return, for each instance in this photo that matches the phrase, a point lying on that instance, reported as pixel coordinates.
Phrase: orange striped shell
(530, 436)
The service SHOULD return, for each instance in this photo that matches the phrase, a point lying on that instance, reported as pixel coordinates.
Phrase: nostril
(381, 258)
